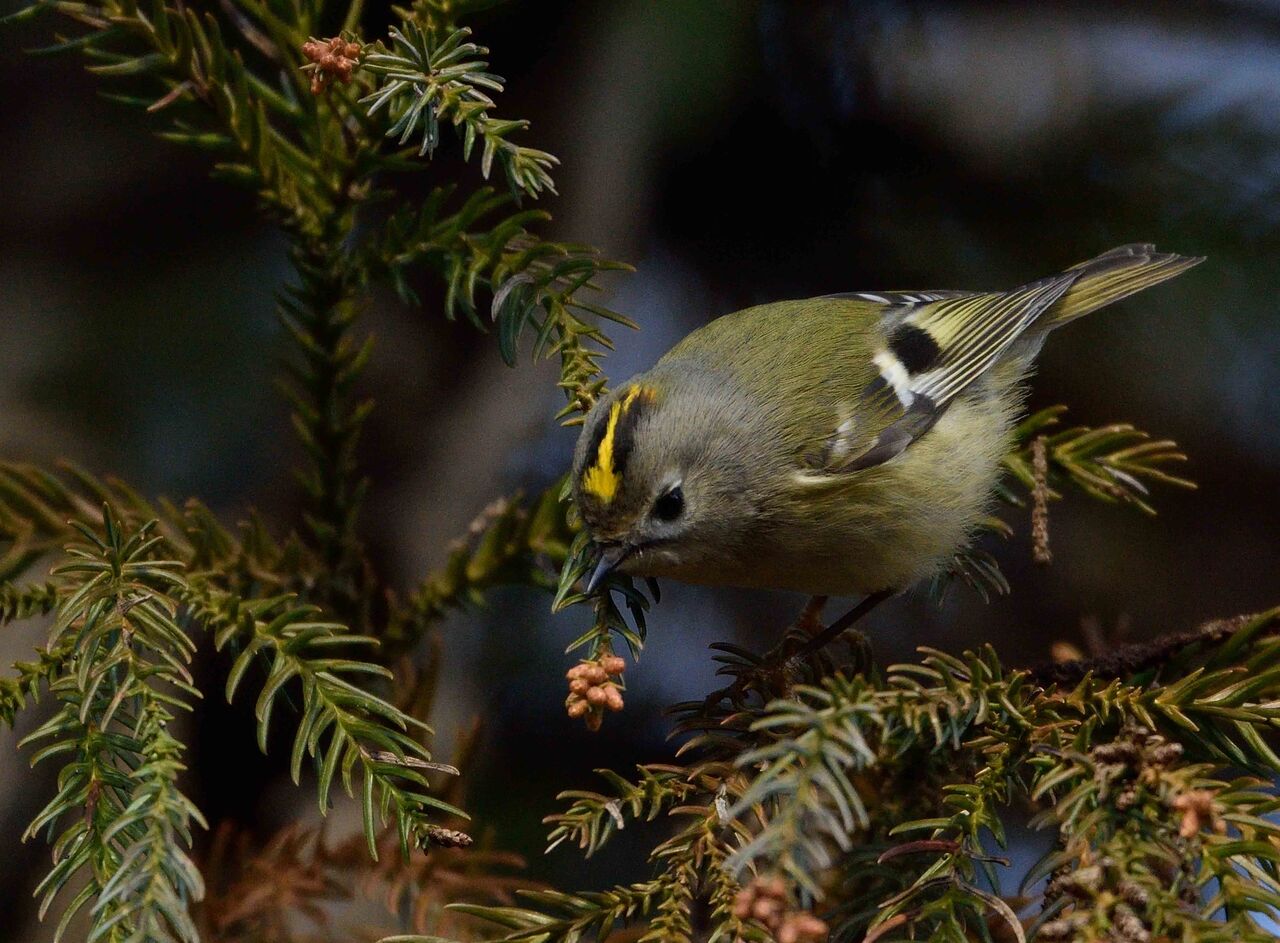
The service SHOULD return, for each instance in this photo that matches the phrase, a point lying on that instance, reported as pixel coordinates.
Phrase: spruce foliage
(835, 798)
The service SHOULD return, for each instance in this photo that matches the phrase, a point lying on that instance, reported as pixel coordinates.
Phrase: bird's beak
(610, 557)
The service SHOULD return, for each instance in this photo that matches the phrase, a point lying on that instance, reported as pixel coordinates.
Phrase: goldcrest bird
(841, 445)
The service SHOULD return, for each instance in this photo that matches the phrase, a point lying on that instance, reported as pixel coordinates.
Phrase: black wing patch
(936, 344)
(914, 347)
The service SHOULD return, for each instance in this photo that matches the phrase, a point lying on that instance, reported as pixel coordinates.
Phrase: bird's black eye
(670, 504)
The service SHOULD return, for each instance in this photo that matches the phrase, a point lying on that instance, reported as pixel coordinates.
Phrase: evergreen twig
(431, 80)
(347, 731)
(124, 823)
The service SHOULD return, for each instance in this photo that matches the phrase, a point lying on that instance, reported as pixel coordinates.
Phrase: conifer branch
(35, 510)
(1133, 660)
(346, 730)
(320, 314)
(429, 79)
(600, 668)
(609, 619)
(1112, 463)
(231, 84)
(222, 567)
(23, 602)
(310, 171)
(1143, 836)
(945, 897)
(565, 918)
(691, 865)
(16, 693)
(593, 818)
(124, 824)
(820, 755)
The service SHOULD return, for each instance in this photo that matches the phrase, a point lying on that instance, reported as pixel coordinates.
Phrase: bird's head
(662, 479)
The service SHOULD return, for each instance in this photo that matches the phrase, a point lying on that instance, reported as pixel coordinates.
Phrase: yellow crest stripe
(601, 478)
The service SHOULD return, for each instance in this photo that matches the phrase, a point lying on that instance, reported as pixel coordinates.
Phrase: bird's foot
(775, 674)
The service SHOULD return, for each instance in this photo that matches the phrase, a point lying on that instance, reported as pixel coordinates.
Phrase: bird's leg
(841, 625)
(809, 623)
(776, 671)
(810, 618)
(766, 675)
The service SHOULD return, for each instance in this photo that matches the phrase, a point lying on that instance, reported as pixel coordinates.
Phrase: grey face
(660, 481)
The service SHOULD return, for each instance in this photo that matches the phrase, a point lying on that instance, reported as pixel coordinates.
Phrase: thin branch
(1138, 657)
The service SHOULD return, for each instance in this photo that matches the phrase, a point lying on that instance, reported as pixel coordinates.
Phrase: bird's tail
(1112, 276)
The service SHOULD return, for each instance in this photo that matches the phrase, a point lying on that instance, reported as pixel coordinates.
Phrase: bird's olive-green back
(802, 362)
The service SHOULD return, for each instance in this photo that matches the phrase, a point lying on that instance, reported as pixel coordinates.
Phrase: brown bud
(803, 927)
(577, 671)
(330, 58)
(1126, 798)
(1119, 752)
(594, 720)
(743, 902)
(595, 674)
(1134, 893)
(1196, 806)
(775, 886)
(578, 686)
(1129, 926)
(1084, 882)
(1166, 753)
(613, 664)
(577, 707)
(809, 923)
(596, 696)
(1055, 930)
(447, 837)
(767, 910)
(612, 697)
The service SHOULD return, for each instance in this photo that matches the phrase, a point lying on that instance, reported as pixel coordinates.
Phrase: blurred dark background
(736, 152)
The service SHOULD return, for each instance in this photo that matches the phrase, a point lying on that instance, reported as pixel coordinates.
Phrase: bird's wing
(934, 345)
(900, 298)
